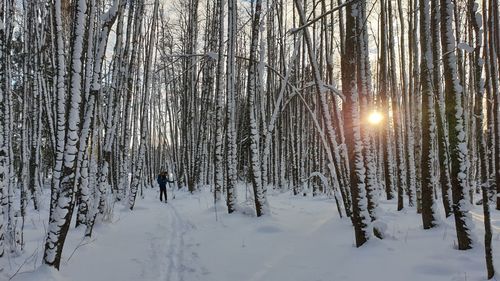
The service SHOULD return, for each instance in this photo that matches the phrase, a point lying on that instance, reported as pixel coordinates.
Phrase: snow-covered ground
(302, 240)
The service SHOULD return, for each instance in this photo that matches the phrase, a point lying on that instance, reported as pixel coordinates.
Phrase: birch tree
(231, 106)
(456, 129)
(475, 21)
(63, 202)
(252, 90)
(3, 92)
(351, 114)
(428, 119)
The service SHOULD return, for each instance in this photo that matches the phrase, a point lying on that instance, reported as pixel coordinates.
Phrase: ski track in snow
(480, 217)
(175, 248)
(303, 239)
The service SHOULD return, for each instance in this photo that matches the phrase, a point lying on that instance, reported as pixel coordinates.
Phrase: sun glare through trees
(384, 109)
(375, 118)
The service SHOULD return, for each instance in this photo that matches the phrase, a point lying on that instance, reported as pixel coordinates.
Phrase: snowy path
(302, 240)
(480, 217)
(145, 244)
(175, 248)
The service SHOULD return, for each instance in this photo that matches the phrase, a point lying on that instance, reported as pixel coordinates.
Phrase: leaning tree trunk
(62, 208)
(329, 142)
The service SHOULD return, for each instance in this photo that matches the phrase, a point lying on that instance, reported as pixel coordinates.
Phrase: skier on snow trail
(162, 182)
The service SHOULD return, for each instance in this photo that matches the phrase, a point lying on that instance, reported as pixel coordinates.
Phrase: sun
(375, 118)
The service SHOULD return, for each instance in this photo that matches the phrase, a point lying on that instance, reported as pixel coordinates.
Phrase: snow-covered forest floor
(304, 239)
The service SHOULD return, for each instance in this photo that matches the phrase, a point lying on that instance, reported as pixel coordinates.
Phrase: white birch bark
(456, 127)
(138, 172)
(231, 107)
(62, 206)
(3, 152)
(219, 124)
(252, 90)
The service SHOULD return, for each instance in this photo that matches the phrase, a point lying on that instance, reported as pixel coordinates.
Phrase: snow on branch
(466, 47)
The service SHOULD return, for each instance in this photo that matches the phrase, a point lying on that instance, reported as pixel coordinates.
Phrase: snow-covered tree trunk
(342, 155)
(3, 147)
(494, 64)
(406, 127)
(36, 109)
(231, 148)
(219, 107)
(384, 95)
(399, 169)
(413, 126)
(365, 97)
(205, 116)
(111, 120)
(148, 80)
(428, 118)
(25, 146)
(60, 88)
(329, 142)
(491, 88)
(128, 62)
(62, 208)
(252, 90)
(456, 127)
(82, 191)
(190, 97)
(442, 139)
(7, 202)
(351, 111)
(476, 23)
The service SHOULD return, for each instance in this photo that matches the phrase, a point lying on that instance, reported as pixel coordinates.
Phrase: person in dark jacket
(162, 182)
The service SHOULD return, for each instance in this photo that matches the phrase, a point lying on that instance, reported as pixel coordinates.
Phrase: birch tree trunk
(138, 172)
(384, 94)
(3, 148)
(455, 118)
(428, 118)
(62, 208)
(231, 137)
(474, 18)
(252, 90)
(219, 88)
(351, 113)
(442, 138)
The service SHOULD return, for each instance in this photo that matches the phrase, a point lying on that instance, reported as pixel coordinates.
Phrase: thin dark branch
(295, 30)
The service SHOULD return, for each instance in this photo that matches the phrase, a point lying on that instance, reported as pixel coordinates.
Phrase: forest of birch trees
(98, 96)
